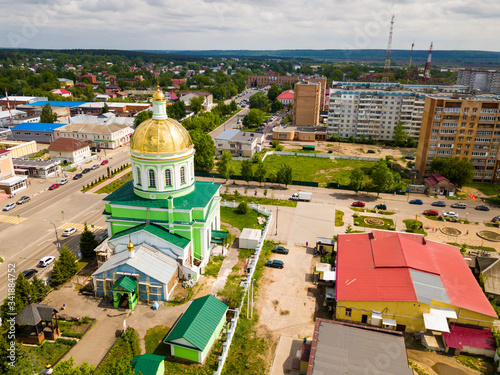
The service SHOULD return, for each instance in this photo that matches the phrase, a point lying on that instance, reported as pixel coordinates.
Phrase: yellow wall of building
(19, 149)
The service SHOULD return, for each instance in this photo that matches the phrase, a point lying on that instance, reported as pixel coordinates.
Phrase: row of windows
(167, 176)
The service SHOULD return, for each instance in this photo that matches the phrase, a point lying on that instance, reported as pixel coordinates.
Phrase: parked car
(439, 204)
(496, 218)
(63, 181)
(104, 162)
(459, 205)
(45, 261)
(370, 151)
(54, 186)
(450, 214)
(416, 201)
(95, 166)
(358, 204)
(23, 200)
(280, 250)
(68, 232)
(482, 208)
(410, 157)
(28, 274)
(77, 176)
(381, 206)
(275, 264)
(431, 213)
(9, 207)
(86, 170)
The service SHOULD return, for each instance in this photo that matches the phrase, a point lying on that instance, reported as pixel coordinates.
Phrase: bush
(242, 208)
(69, 342)
(76, 335)
(355, 214)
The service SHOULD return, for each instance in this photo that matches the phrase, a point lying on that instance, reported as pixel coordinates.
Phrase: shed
(249, 238)
(308, 147)
(195, 332)
(148, 364)
(325, 245)
(35, 323)
(472, 340)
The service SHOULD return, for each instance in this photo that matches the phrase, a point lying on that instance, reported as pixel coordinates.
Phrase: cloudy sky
(249, 24)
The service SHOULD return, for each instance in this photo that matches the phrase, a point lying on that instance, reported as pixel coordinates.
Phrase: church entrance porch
(125, 293)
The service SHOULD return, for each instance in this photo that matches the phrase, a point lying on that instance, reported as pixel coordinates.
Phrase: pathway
(229, 262)
(114, 178)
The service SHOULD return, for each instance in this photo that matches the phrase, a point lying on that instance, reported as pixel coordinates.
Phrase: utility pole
(277, 210)
(387, 66)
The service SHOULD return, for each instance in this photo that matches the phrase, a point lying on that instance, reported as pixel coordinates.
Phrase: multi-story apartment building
(464, 126)
(373, 109)
(307, 103)
(255, 80)
(487, 81)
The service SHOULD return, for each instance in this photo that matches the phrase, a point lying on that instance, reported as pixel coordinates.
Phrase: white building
(69, 150)
(8, 117)
(239, 143)
(103, 131)
(207, 103)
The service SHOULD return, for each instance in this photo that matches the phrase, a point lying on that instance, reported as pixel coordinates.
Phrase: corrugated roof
(126, 283)
(227, 134)
(147, 363)
(37, 126)
(286, 95)
(460, 336)
(56, 103)
(157, 231)
(199, 322)
(378, 266)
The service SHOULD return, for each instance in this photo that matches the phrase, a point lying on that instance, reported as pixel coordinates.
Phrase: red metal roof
(461, 336)
(376, 267)
(435, 178)
(286, 95)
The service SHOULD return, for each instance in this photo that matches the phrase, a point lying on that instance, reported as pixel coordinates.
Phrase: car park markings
(80, 227)
(12, 219)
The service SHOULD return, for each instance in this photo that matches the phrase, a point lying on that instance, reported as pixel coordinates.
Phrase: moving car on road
(450, 214)
(9, 207)
(459, 205)
(23, 200)
(275, 264)
(280, 250)
(63, 181)
(431, 213)
(45, 261)
(77, 176)
(28, 274)
(104, 162)
(381, 206)
(86, 170)
(95, 166)
(68, 232)
(358, 204)
(482, 208)
(438, 204)
(496, 218)
(416, 201)
(54, 186)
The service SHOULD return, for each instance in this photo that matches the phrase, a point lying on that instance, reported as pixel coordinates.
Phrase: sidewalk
(114, 178)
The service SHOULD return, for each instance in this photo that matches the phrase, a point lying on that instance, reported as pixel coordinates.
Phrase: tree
(66, 368)
(273, 92)
(48, 116)
(142, 116)
(242, 208)
(259, 101)
(38, 289)
(64, 267)
(205, 150)
(457, 170)
(87, 242)
(260, 172)
(177, 110)
(253, 118)
(400, 135)
(233, 106)
(276, 106)
(105, 109)
(196, 103)
(284, 175)
(382, 178)
(88, 93)
(246, 170)
(286, 86)
(356, 180)
(225, 167)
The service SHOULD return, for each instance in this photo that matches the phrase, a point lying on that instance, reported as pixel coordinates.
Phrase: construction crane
(409, 65)
(387, 66)
(427, 71)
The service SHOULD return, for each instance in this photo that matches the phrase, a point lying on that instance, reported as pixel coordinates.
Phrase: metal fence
(324, 156)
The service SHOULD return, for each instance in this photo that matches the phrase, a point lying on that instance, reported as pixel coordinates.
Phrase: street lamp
(55, 230)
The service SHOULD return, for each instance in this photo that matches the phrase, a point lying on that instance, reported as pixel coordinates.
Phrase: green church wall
(196, 244)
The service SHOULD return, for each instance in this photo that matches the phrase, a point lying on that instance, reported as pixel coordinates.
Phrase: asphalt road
(33, 238)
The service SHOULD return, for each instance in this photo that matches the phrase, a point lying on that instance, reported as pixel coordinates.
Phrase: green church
(160, 223)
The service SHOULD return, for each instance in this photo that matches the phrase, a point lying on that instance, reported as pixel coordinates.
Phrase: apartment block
(373, 109)
(465, 126)
(307, 103)
(255, 80)
(487, 81)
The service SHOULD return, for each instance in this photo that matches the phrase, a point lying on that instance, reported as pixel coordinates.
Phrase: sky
(249, 24)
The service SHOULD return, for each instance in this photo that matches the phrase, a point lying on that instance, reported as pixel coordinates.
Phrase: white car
(450, 214)
(9, 207)
(63, 181)
(68, 232)
(45, 261)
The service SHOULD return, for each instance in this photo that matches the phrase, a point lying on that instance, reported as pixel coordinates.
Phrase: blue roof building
(40, 132)
(57, 103)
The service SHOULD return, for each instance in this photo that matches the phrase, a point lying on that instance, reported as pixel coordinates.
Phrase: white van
(45, 261)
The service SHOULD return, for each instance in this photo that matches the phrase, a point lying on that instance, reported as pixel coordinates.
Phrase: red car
(496, 218)
(358, 204)
(54, 186)
(431, 213)
(104, 162)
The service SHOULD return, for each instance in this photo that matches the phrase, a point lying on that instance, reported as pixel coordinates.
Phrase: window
(152, 179)
(183, 175)
(138, 175)
(168, 178)
(348, 313)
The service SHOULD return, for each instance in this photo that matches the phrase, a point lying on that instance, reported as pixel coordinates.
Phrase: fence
(230, 334)
(324, 156)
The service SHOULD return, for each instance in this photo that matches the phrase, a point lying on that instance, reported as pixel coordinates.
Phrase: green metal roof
(126, 283)
(219, 234)
(203, 192)
(199, 321)
(157, 231)
(147, 363)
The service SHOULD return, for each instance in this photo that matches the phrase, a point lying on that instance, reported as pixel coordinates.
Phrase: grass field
(249, 220)
(360, 222)
(339, 218)
(259, 200)
(487, 188)
(109, 188)
(48, 352)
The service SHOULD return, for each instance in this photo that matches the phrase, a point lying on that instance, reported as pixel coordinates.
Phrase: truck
(301, 196)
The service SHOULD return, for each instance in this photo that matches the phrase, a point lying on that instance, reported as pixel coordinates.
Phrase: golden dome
(165, 136)
(158, 95)
(130, 246)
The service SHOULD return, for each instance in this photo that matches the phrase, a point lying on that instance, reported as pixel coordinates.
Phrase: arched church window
(152, 179)
(168, 177)
(138, 175)
(183, 175)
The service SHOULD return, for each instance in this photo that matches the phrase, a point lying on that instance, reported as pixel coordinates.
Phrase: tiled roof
(286, 95)
(460, 336)
(157, 231)
(435, 178)
(203, 192)
(199, 322)
(67, 144)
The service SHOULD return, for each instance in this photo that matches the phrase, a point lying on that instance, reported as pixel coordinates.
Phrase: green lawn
(487, 188)
(339, 218)
(388, 223)
(359, 209)
(109, 188)
(473, 247)
(413, 226)
(249, 220)
(259, 200)
(48, 352)
(213, 266)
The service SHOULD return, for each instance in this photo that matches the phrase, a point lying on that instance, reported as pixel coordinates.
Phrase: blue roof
(56, 103)
(40, 126)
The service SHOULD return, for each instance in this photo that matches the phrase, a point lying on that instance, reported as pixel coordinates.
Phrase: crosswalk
(12, 219)
(79, 227)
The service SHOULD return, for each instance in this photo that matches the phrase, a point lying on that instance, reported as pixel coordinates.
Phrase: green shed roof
(219, 233)
(157, 231)
(200, 197)
(199, 322)
(147, 363)
(126, 283)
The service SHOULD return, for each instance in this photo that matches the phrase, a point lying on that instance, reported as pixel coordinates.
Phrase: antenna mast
(387, 66)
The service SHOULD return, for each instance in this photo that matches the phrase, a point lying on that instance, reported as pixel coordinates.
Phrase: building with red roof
(286, 97)
(403, 280)
(472, 340)
(437, 184)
